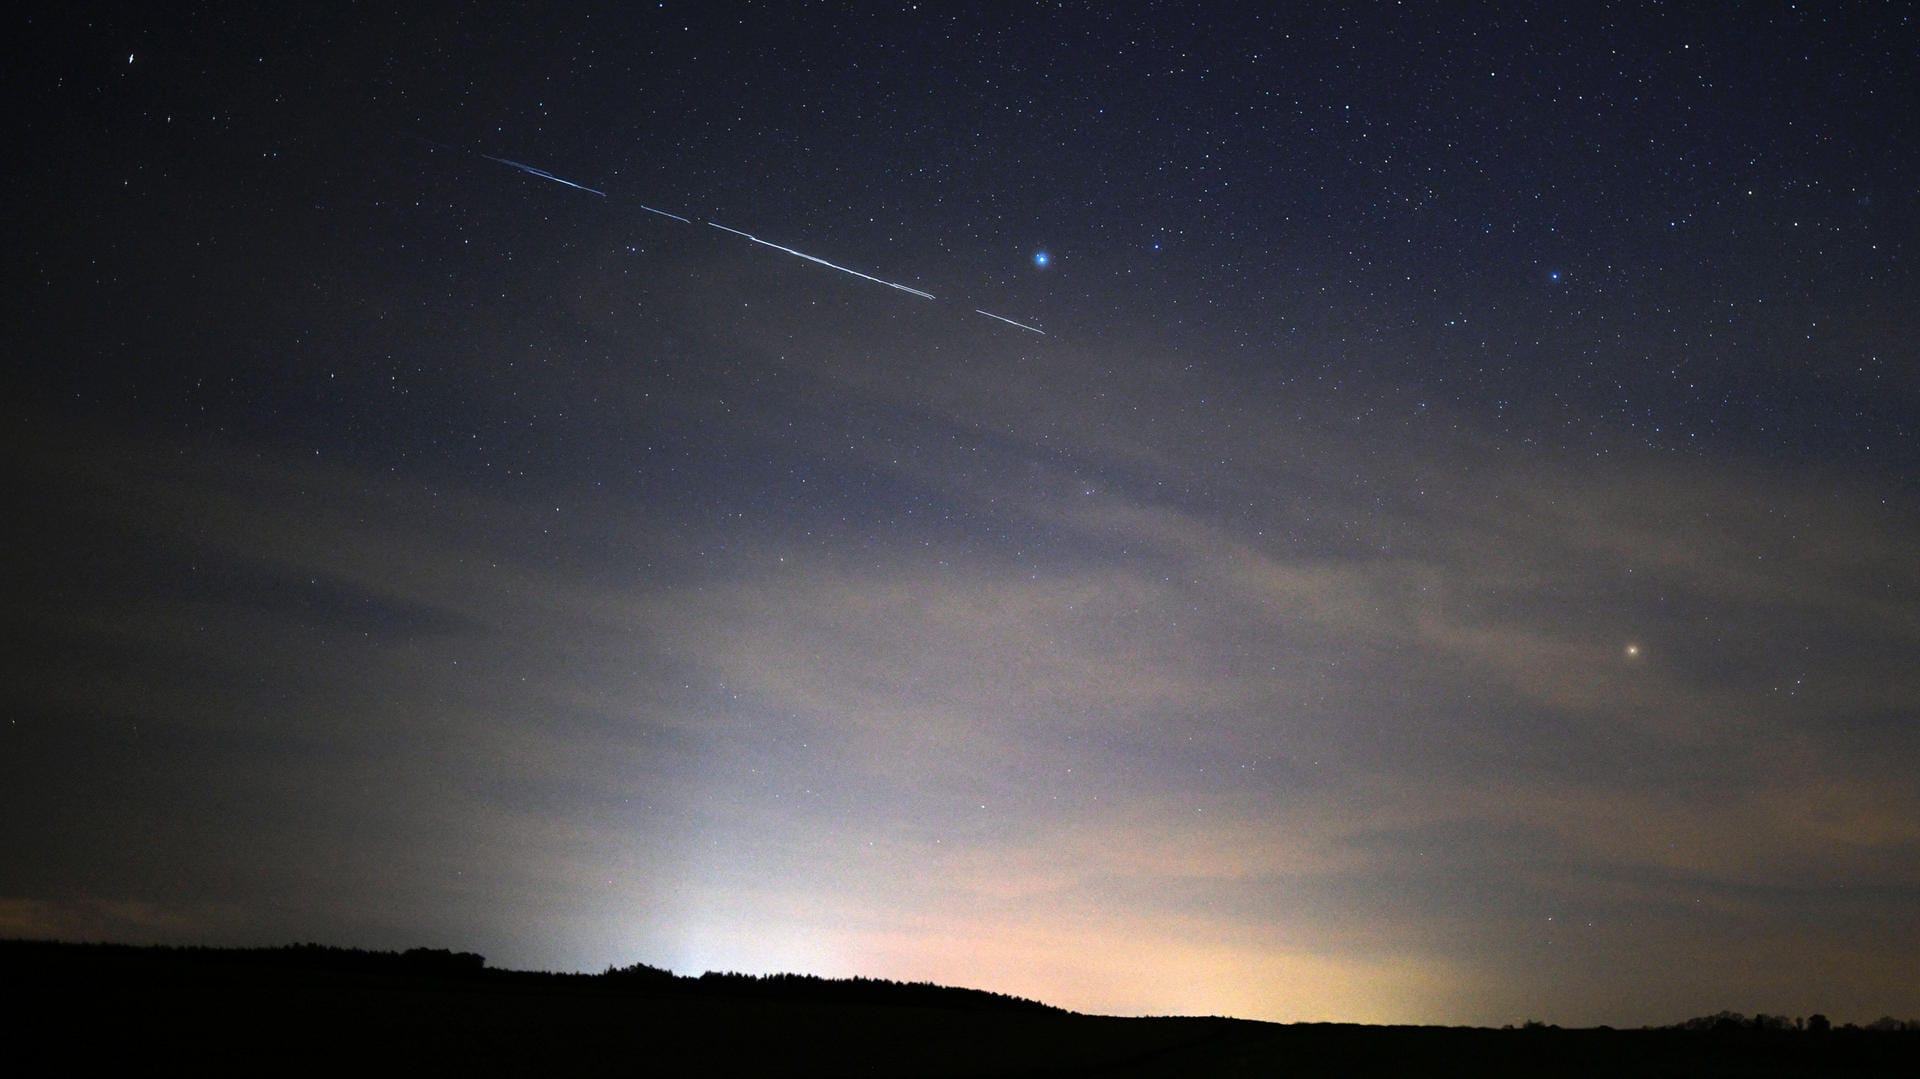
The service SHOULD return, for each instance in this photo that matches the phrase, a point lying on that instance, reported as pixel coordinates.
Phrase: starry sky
(1447, 557)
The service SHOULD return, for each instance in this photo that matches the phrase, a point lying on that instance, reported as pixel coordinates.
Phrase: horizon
(1325, 515)
(1788, 1023)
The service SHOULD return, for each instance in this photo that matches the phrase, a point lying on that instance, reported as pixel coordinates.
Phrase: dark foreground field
(70, 1008)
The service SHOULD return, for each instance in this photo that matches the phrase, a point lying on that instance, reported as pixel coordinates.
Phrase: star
(1633, 650)
(1041, 259)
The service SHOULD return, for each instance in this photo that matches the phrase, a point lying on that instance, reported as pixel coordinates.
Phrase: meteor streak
(545, 175)
(824, 262)
(1040, 259)
(1010, 322)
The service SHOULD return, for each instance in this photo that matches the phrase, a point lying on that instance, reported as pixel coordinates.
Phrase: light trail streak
(1010, 322)
(823, 262)
(545, 175)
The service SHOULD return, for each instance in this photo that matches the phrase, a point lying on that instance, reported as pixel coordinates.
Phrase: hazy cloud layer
(1106, 707)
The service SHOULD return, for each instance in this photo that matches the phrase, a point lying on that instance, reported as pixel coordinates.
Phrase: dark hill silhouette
(309, 1008)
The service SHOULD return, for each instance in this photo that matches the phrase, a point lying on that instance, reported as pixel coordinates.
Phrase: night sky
(1448, 556)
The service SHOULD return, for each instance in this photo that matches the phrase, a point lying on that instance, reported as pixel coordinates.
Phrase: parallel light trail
(545, 175)
(1010, 322)
(823, 262)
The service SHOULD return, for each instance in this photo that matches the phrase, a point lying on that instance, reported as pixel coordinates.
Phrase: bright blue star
(1554, 276)
(1041, 258)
